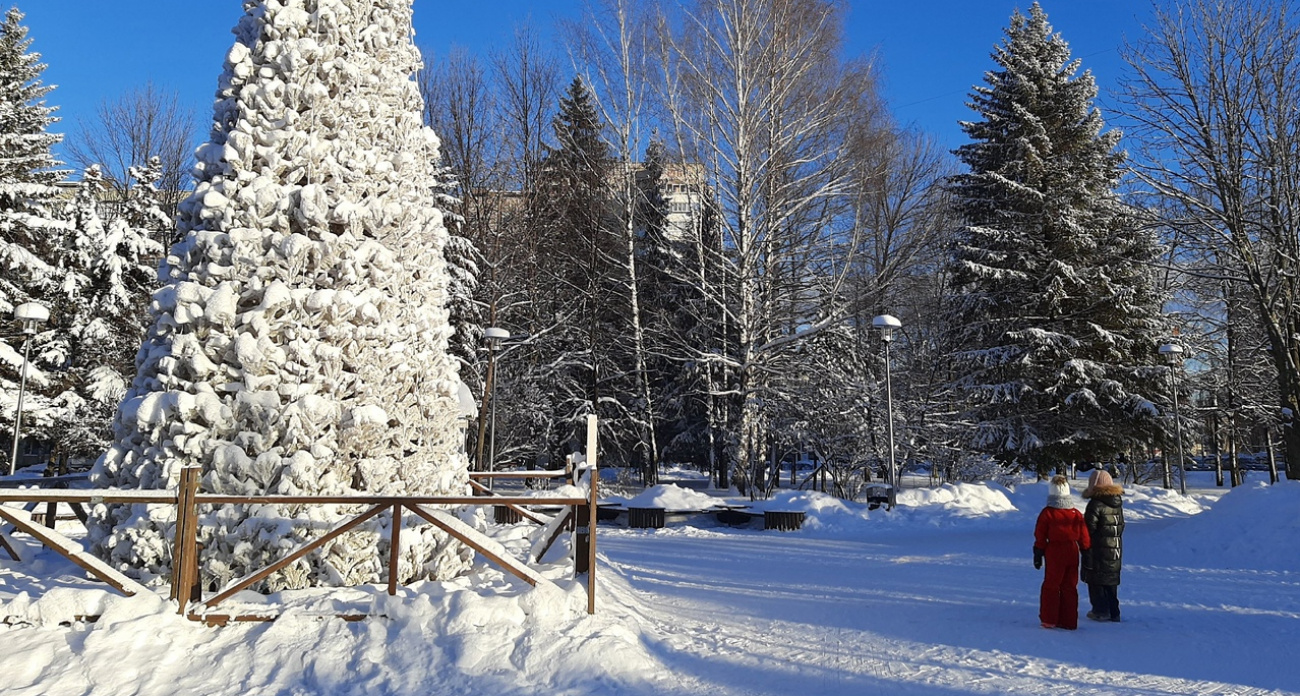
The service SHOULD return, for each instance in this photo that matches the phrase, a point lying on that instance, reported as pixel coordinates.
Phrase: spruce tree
(31, 234)
(666, 263)
(584, 354)
(299, 345)
(463, 262)
(1055, 310)
(106, 317)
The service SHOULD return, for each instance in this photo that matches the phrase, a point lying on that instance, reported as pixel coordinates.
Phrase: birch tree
(1212, 91)
(758, 98)
(611, 46)
(127, 131)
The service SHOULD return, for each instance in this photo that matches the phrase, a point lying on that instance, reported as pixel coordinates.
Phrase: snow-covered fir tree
(575, 308)
(145, 205)
(463, 261)
(106, 317)
(299, 345)
(31, 234)
(1055, 310)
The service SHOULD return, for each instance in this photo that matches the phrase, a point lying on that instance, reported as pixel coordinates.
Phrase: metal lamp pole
(1173, 354)
(31, 315)
(887, 324)
(494, 337)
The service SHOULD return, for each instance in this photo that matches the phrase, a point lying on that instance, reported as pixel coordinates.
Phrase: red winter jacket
(1061, 534)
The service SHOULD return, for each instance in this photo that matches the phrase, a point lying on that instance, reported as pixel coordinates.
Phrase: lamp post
(494, 338)
(1173, 355)
(30, 315)
(887, 324)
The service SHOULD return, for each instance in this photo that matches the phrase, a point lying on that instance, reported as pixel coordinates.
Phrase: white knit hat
(1058, 488)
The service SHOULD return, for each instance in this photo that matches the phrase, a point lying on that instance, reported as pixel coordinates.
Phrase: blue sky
(931, 52)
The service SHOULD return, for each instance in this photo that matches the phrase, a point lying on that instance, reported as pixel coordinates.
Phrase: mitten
(1038, 558)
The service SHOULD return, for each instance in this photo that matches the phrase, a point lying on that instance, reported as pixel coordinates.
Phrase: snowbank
(1140, 502)
(1255, 526)
(670, 497)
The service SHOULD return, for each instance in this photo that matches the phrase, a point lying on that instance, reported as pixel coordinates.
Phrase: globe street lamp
(887, 324)
(1173, 355)
(494, 338)
(30, 315)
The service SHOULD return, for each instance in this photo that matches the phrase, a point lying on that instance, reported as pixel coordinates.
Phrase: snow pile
(949, 504)
(1254, 526)
(62, 605)
(1143, 502)
(669, 497)
(1030, 498)
(964, 504)
(482, 632)
(477, 634)
(959, 499)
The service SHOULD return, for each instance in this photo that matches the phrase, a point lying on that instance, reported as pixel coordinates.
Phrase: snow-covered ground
(936, 597)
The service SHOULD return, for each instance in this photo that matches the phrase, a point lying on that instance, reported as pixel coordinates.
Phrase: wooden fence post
(185, 562)
(395, 549)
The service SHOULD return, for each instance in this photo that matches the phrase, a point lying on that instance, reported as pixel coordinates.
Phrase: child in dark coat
(1059, 537)
(1105, 520)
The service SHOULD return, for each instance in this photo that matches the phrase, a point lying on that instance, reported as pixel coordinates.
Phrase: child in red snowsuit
(1060, 536)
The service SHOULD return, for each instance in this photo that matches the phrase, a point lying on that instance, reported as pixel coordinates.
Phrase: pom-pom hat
(1058, 488)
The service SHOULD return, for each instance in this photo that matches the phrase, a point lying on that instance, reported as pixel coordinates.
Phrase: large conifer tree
(579, 354)
(106, 317)
(1056, 314)
(31, 234)
(300, 345)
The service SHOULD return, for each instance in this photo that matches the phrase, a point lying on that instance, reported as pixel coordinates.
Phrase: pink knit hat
(1098, 479)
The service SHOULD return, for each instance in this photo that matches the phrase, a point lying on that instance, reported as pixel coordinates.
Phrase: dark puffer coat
(1105, 520)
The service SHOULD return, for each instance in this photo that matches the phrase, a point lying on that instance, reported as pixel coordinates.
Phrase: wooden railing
(578, 514)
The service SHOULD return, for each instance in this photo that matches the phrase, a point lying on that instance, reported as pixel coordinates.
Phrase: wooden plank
(240, 585)
(92, 496)
(44, 481)
(29, 508)
(384, 500)
(523, 512)
(217, 620)
(10, 546)
(74, 552)
(168, 497)
(178, 542)
(550, 534)
(535, 473)
(481, 543)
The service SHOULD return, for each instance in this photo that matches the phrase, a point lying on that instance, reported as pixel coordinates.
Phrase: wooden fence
(577, 514)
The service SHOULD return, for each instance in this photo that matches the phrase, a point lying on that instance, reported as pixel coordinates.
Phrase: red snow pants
(1058, 602)
(1061, 534)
